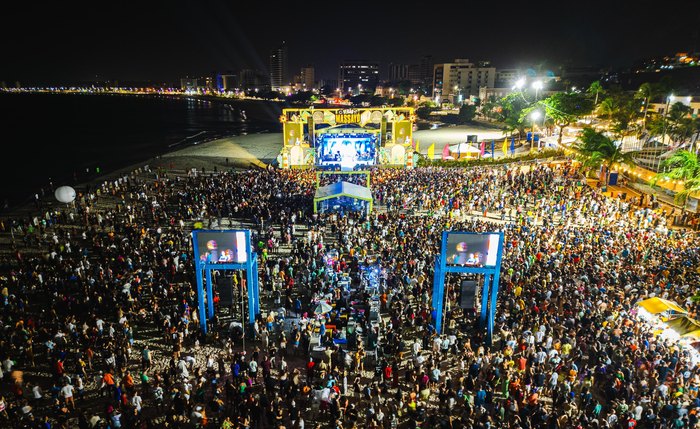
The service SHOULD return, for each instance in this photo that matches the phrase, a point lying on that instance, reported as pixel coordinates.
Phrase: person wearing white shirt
(37, 393)
(136, 401)
(67, 394)
(7, 365)
(79, 386)
(638, 410)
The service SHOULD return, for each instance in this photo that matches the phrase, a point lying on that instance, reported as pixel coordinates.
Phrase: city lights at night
(330, 215)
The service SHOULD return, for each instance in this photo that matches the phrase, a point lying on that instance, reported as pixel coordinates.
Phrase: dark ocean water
(65, 137)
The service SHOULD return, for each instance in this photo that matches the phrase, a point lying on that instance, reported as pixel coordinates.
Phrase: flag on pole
(512, 146)
(505, 147)
(483, 147)
(493, 148)
(431, 152)
(417, 146)
(445, 151)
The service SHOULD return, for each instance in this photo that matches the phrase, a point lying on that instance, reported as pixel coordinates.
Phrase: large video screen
(346, 149)
(221, 247)
(477, 250)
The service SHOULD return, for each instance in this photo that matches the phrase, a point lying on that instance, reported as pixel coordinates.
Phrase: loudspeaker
(224, 286)
(467, 294)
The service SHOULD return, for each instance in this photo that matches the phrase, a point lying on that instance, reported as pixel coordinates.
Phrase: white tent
(464, 148)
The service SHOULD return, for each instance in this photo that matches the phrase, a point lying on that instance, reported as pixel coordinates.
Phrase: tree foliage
(683, 165)
(466, 113)
(596, 149)
(564, 108)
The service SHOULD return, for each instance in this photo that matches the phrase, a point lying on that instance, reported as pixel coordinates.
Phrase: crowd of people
(100, 326)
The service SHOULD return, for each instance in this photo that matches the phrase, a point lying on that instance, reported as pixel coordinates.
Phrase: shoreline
(234, 151)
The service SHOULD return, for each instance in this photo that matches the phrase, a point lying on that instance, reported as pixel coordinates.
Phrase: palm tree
(596, 149)
(647, 91)
(596, 89)
(683, 165)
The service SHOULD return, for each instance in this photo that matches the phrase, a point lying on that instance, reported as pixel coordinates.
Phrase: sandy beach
(262, 149)
(246, 151)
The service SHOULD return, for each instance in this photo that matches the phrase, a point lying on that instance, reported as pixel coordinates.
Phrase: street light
(669, 99)
(535, 116)
(537, 85)
(519, 83)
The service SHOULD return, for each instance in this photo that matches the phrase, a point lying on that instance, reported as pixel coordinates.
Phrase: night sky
(59, 43)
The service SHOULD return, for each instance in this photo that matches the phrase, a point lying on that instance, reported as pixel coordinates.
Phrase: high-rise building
(250, 79)
(415, 74)
(358, 76)
(426, 69)
(278, 66)
(507, 77)
(228, 82)
(188, 84)
(455, 82)
(307, 78)
(398, 72)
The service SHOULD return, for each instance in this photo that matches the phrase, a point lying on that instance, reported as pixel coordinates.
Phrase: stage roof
(345, 128)
(339, 189)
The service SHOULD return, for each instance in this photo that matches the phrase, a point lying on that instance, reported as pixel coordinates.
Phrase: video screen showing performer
(223, 247)
(474, 250)
(347, 150)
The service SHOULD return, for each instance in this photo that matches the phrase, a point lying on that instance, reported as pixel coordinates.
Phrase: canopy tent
(342, 196)
(657, 305)
(683, 325)
(464, 150)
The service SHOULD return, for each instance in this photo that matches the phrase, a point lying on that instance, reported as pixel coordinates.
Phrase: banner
(293, 133)
(505, 147)
(417, 146)
(402, 132)
(431, 152)
(445, 151)
(483, 147)
(512, 146)
(493, 148)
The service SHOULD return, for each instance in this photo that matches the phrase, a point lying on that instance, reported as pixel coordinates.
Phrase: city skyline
(163, 44)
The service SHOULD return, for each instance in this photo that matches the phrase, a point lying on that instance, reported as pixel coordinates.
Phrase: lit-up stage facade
(347, 139)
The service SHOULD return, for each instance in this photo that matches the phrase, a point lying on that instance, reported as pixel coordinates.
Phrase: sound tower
(224, 286)
(467, 294)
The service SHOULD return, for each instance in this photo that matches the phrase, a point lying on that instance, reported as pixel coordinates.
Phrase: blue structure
(464, 261)
(343, 197)
(243, 258)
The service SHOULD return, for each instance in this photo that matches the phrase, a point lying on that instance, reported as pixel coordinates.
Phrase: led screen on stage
(220, 247)
(346, 149)
(477, 250)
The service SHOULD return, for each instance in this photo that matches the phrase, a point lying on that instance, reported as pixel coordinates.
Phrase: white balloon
(65, 194)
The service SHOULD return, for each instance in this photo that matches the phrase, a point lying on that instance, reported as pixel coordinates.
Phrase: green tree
(377, 101)
(596, 149)
(511, 113)
(647, 92)
(596, 90)
(301, 97)
(682, 165)
(622, 109)
(396, 101)
(466, 113)
(490, 108)
(424, 112)
(680, 123)
(565, 108)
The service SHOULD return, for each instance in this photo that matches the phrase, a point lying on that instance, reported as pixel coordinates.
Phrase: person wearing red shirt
(388, 372)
